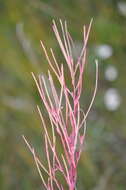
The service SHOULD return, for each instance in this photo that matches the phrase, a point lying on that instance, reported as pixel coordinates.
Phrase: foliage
(23, 23)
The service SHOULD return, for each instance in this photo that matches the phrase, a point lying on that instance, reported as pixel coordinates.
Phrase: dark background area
(23, 23)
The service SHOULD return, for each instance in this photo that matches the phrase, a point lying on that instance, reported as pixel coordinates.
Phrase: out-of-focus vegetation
(23, 23)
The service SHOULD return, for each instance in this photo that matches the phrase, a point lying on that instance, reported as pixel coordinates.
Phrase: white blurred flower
(112, 99)
(122, 7)
(104, 51)
(17, 103)
(77, 49)
(111, 73)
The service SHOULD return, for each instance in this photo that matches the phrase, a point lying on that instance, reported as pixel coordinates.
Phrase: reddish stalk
(67, 118)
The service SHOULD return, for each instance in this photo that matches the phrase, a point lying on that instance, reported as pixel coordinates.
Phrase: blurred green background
(23, 23)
